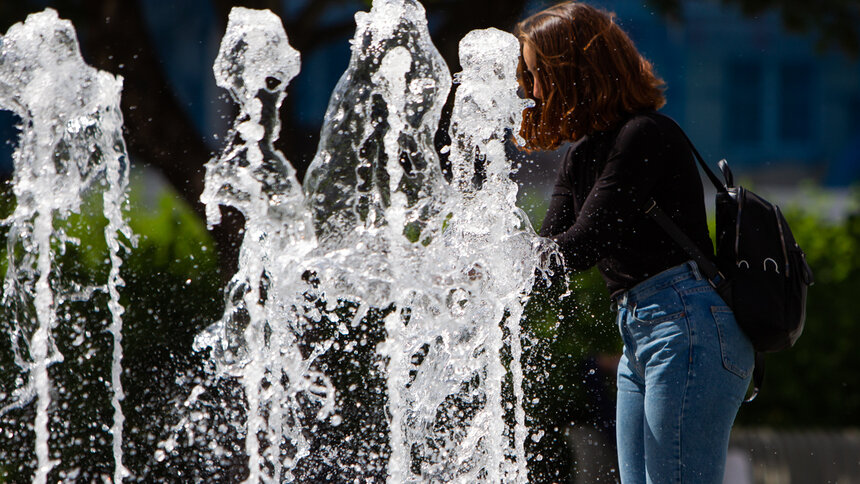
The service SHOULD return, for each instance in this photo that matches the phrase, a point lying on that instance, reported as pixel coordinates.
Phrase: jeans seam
(691, 337)
(696, 289)
(727, 362)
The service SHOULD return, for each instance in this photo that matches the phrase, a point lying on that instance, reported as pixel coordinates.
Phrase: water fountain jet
(72, 141)
(374, 237)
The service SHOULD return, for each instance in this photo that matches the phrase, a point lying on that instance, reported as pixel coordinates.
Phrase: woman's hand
(550, 266)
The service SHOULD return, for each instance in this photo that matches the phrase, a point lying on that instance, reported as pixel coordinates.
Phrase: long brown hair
(590, 73)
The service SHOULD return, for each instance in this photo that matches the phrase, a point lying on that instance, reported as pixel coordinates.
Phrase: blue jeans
(683, 375)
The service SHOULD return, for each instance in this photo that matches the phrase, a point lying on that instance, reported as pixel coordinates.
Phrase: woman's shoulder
(649, 127)
(644, 121)
(579, 158)
(639, 129)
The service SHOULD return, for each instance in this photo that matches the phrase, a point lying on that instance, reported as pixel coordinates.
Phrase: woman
(686, 365)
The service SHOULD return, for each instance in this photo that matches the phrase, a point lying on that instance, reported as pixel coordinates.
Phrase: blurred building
(785, 114)
(744, 88)
(747, 90)
(187, 37)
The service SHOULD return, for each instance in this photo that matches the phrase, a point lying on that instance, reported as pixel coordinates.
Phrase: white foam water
(257, 341)
(379, 227)
(71, 141)
(444, 268)
(454, 263)
(486, 223)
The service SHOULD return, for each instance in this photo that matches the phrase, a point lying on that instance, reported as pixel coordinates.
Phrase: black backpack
(760, 271)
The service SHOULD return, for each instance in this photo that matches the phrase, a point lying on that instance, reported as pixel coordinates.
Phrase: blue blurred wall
(747, 90)
(743, 88)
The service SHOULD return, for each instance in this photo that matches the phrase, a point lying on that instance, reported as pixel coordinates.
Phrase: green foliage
(567, 328)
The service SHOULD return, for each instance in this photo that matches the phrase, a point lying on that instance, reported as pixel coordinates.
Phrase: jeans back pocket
(736, 349)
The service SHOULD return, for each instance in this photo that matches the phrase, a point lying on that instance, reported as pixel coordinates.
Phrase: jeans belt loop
(695, 269)
(621, 300)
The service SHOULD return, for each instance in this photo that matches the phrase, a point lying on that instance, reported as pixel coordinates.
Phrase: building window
(795, 102)
(744, 116)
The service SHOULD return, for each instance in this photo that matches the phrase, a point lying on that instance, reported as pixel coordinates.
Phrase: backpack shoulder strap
(720, 186)
(706, 265)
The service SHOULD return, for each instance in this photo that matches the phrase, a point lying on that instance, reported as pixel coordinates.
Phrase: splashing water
(485, 222)
(378, 228)
(375, 185)
(71, 141)
(376, 191)
(444, 269)
(382, 229)
(257, 341)
(397, 235)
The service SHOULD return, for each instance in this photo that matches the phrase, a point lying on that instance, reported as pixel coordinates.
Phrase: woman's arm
(561, 213)
(617, 199)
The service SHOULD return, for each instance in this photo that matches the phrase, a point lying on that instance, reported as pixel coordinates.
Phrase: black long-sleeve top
(597, 211)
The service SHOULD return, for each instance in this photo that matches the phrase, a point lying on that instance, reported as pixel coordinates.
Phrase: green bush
(567, 327)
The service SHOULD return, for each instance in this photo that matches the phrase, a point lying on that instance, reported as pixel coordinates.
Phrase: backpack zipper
(740, 196)
(781, 237)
